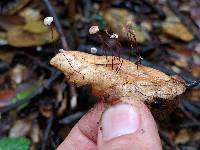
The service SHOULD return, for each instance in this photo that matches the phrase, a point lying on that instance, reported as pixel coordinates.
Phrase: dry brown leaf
(196, 136)
(30, 14)
(145, 84)
(193, 94)
(19, 73)
(196, 71)
(19, 38)
(10, 21)
(20, 128)
(177, 30)
(182, 137)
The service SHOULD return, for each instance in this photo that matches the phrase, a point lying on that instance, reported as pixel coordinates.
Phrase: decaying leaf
(171, 26)
(112, 78)
(35, 27)
(182, 137)
(18, 37)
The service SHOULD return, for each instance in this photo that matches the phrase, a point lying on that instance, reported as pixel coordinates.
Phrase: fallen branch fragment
(112, 79)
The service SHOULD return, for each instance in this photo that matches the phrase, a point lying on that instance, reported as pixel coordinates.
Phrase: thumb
(128, 127)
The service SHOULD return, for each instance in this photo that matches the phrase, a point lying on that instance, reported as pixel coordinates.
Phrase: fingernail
(119, 120)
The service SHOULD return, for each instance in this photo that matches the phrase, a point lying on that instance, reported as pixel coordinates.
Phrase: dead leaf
(19, 73)
(5, 97)
(19, 38)
(193, 94)
(117, 20)
(35, 27)
(196, 71)
(20, 128)
(196, 136)
(8, 21)
(35, 133)
(182, 137)
(46, 110)
(143, 84)
(30, 14)
(170, 27)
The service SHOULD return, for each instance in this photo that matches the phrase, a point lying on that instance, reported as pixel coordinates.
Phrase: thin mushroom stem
(57, 24)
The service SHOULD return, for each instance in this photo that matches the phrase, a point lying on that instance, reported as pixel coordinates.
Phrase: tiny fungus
(48, 21)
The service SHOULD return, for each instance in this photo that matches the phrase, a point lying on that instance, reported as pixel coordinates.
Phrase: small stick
(193, 84)
(47, 132)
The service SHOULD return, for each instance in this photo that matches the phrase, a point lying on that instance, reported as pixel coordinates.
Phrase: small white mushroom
(114, 36)
(61, 50)
(48, 21)
(93, 29)
(93, 50)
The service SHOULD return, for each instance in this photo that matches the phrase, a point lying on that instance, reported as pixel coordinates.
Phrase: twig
(164, 135)
(189, 115)
(154, 7)
(47, 132)
(57, 24)
(71, 118)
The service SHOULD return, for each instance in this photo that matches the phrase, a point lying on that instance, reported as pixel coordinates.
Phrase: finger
(128, 127)
(84, 133)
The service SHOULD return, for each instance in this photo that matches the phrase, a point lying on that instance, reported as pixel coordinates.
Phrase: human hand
(120, 127)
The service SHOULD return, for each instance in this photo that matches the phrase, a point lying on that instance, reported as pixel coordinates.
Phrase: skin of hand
(119, 127)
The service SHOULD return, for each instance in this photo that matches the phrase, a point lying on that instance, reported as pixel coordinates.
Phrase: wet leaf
(117, 20)
(24, 93)
(170, 27)
(35, 27)
(182, 137)
(20, 128)
(21, 143)
(17, 36)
